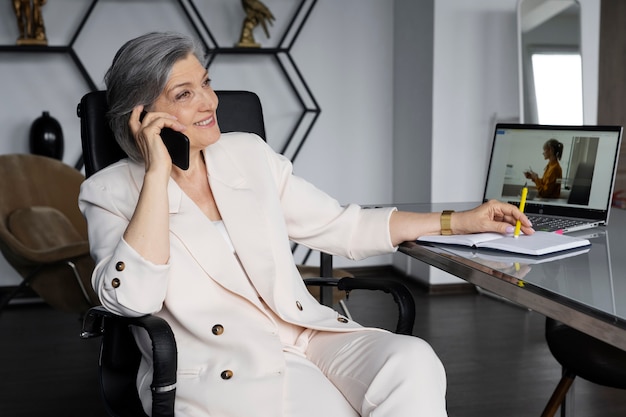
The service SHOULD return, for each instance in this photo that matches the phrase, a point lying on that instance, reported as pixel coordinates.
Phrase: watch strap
(445, 218)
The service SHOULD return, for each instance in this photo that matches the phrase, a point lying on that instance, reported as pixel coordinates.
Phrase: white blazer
(217, 316)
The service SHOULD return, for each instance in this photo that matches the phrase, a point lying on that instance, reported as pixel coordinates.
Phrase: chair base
(15, 291)
(581, 355)
(558, 396)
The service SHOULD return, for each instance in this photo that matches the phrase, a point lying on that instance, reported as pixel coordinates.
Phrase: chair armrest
(401, 295)
(99, 321)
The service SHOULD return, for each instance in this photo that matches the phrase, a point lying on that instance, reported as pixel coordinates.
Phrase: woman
(549, 186)
(208, 250)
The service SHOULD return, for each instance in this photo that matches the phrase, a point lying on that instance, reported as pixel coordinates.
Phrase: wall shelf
(310, 109)
(42, 49)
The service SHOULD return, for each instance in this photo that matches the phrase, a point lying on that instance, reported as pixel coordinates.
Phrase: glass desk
(584, 289)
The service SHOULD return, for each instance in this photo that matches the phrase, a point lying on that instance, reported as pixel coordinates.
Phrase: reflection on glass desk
(585, 289)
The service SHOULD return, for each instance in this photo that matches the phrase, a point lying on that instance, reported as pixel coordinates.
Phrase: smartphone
(177, 145)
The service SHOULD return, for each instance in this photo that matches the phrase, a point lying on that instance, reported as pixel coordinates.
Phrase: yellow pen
(522, 203)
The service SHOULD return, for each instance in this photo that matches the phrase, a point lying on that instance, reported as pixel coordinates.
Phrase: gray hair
(138, 75)
(557, 147)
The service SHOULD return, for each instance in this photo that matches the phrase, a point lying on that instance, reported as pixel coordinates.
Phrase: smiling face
(188, 96)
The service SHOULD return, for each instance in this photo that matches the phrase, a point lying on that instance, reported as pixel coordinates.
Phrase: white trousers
(365, 373)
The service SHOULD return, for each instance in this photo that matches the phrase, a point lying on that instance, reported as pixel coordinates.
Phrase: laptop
(581, 198)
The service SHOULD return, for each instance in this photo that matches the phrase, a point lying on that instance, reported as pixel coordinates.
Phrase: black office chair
(119, 355)
(585, 356)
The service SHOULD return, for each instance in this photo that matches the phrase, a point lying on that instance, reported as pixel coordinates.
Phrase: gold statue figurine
(256, 13)
(30, 22)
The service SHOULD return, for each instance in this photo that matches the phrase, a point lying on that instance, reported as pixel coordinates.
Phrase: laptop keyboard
(551, 224)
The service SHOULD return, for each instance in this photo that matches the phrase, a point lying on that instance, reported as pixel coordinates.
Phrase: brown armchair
(43, 235)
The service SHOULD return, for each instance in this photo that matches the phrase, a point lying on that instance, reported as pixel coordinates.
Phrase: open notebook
(588, 165)
(538, 244)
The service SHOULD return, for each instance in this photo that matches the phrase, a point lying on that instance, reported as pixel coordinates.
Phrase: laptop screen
(569, 170)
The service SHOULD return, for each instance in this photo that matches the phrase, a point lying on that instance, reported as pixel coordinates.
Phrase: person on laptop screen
(549, 185)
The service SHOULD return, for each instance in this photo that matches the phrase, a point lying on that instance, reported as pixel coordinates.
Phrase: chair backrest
(34, 180)
(238, 111)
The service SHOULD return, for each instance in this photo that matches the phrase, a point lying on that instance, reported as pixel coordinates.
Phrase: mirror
(550, 65)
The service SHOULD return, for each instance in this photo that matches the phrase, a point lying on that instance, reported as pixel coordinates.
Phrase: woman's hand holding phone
(176, 143)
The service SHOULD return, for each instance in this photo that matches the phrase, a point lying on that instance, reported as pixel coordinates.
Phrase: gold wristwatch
(446, 216)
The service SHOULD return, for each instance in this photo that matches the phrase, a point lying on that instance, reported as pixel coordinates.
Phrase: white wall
(590, 47)
(475, 83)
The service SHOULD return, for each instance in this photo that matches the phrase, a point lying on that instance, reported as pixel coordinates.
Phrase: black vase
(46, 137)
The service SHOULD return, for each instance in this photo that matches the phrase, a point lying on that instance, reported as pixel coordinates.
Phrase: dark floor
(494, 352)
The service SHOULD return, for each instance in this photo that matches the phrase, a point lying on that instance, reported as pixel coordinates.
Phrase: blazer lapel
(242, 212)
(202, 239)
